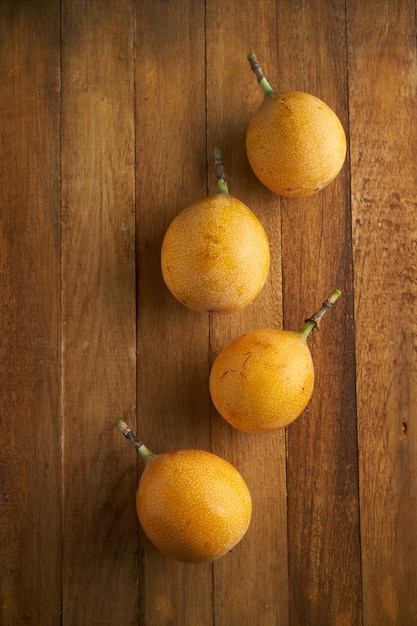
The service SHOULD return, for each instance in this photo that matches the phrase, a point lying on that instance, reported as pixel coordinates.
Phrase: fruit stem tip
(335, 295)
(314, 321)
(257, 70)
(219, 165)
(127, 432)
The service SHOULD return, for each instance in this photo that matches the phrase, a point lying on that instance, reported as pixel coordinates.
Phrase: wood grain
(323, 513)
(383, 110)
(109, 114)
(98, 312)
(173, 342)
(233, 96)
(30, 564)
(30, 542)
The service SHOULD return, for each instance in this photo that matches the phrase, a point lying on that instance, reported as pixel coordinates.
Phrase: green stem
(314, 321)
(219, 165)
(144, 452)
(257, 70)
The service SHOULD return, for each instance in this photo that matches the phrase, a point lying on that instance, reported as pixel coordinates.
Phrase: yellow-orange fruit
(193, 505)
(215, 255)
(295, 143)
(263, 380)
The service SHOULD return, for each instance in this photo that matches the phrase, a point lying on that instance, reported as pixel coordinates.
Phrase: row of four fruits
(193, 505)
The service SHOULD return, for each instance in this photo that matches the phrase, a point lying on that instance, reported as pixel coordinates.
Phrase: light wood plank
(30, 474)
(98, 304)
(383, 113)
(323, 515)
(251, 584)
(173, 357)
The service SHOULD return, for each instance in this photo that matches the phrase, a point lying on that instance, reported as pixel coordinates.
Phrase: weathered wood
(109, 113)
(383, 113)
(173, 342)
(30, 474)
(253, 580)
(323, 515)
(98, 313)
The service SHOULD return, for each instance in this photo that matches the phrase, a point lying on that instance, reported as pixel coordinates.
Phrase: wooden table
(110, 111)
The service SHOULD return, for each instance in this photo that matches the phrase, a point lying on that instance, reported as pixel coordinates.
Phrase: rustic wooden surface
(109, 111)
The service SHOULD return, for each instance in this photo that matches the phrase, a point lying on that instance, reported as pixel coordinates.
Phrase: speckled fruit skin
(295, 144)
(193, 505)
(215, 255)
(263, 380)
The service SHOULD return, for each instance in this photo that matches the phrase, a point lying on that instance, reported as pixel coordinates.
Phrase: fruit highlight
(295, 143)
(264, 379)
(193, 505)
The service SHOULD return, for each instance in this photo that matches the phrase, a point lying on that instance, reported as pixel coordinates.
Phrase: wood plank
(323, 515)
(98, 305)
(383, 113)
(30, 475)
(250, 584)
(173, 357)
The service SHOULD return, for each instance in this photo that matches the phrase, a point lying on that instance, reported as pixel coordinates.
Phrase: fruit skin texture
(295, 143)
(263, 380)
(193, 505)
(215, 255)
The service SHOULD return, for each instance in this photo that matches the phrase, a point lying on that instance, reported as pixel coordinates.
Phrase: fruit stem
(127, 432)
(257, 70)
(219, 165)
(314, 321)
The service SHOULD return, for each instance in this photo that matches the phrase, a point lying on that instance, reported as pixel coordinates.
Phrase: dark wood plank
(98, 308)
(173, 342)
(251, 584)
(323, 514)
(30, 475)
(383, 112)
